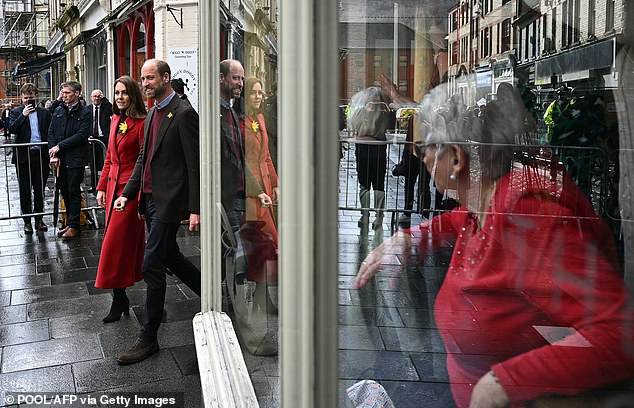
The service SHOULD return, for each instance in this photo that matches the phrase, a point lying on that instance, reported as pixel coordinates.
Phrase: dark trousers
(32, 176)
(69, 181)
(161, 252)
(96, 162)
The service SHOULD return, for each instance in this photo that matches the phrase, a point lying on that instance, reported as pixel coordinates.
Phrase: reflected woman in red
(124, 239)
(533, 306)
(260, 213)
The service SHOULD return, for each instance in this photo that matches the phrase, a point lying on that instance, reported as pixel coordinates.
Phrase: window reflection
(502, 274)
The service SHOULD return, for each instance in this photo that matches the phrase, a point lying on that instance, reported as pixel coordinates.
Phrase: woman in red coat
(533, 310)
(259, 204)
(124, 240)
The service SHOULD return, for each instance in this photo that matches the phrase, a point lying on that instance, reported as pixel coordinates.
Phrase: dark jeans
(161, 252)
(69, 181)
(32, 175)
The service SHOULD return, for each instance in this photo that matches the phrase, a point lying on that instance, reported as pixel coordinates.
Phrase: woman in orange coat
(124, 240)
(259, 204)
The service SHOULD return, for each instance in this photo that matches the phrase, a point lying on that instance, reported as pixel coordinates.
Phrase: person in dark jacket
(100, 116)
(69, 148)
(30, 125)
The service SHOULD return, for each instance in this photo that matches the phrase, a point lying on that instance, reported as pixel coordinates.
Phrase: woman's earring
(453, 177)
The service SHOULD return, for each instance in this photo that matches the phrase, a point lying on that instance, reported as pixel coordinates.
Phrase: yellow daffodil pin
(123, 127)
(255, 126)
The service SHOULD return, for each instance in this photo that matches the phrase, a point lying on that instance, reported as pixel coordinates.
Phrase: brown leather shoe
(71, 233)
(141, 350)
(62, 231)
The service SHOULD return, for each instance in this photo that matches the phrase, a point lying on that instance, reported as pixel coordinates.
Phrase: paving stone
(17, 270)
(417, 318)
(360, 338)
(60, 276)
(267, 390)
(431, 367)
(186, 359)
(63, 307)
(24, 282)
(182, 310)
(264, 366)
(5, 298)
(12, 314)
(373, 365)
(419, 394)
(65, 291)
(408, 339)
(106, 374)
(17, 259)
(50, 353)
(26, 332)
(369, 316)
(87, 323)
(57, 379)
(186, 389)
(118, 339)
(175, 334)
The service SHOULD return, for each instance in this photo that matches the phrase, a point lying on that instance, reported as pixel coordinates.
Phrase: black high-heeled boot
(120, 305)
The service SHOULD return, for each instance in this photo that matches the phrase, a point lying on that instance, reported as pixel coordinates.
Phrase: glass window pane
(485, 216)
(248, 108)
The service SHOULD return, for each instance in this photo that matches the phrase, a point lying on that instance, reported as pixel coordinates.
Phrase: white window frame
(308, 160)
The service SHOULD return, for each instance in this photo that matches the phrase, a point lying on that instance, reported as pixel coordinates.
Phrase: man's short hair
(74, 85)
(225, 66)
(163, 67)
(29, 88)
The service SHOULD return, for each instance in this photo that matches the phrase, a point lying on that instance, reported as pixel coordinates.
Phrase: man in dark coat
(68, 142)
(167, 177)
(30, 124)
(100, 116)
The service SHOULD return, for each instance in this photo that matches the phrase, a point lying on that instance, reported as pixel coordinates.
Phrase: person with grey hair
(370, 117)
(69, 149)
(534, 269)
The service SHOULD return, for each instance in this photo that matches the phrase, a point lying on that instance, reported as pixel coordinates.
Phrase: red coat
(124, 239)
(543, 267)
(262, 219)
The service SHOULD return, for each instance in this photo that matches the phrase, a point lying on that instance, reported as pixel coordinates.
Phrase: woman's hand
(276, 194)
(488, 393)
(101, 198)
(397, 244)
(265, 200)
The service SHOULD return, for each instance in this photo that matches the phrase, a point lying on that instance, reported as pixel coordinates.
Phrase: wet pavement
(52, 339)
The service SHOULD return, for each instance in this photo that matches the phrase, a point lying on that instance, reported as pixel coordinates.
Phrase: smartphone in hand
(31, 102)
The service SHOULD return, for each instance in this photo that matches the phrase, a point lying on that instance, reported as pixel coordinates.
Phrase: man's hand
(101, 198)
(52, 152)
(488, 393)
(27, 110)
(119, 204)
(194, 222)
(276, 194)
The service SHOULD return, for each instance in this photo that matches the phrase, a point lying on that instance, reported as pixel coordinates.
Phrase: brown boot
(141, 350)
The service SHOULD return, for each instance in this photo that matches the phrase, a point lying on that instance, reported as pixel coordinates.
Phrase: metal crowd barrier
(593, 169)
(10, 195)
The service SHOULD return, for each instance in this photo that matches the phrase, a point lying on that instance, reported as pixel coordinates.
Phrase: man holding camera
(30, 125)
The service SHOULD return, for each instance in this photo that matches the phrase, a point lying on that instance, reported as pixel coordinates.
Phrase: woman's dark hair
(178, 85)
(137, 107)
